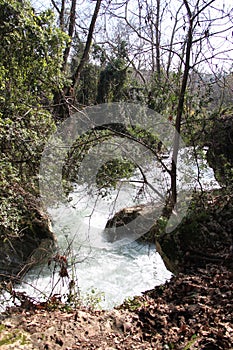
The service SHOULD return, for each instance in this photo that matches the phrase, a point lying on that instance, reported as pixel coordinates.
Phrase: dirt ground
(192, 311)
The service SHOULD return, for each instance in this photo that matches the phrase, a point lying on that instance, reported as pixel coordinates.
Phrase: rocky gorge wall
(34, 242)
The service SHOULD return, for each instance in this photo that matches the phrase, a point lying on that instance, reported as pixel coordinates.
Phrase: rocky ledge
(34, 242)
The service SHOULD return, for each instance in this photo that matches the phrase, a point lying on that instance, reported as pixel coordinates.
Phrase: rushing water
(104, 273)
(111, 271)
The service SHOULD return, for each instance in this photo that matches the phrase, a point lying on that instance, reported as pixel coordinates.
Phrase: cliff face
(34, 241)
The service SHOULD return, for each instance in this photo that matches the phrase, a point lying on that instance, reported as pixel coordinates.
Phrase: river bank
(192, 311)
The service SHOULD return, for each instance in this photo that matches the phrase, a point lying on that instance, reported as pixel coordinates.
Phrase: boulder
(132, 223)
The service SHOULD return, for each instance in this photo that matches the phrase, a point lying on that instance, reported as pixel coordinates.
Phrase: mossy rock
(34, 242)
(204, 236)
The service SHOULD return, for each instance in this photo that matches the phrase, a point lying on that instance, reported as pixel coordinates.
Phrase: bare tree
(193, 41)
(176, 38)
(84, 58)
(67, 22)
(71, 29)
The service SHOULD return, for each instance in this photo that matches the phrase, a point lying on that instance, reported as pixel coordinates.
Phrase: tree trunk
(76, 75)
(180, 107)
(70, 33)
(157, 24)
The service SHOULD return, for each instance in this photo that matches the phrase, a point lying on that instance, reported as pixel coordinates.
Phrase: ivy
(31, 56)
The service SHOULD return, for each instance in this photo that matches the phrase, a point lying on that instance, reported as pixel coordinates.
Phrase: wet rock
(132, 223)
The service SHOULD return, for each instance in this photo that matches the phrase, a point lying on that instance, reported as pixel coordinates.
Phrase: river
(104, 273)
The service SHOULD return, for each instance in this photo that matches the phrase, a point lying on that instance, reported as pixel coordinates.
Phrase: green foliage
(146, 137)
(31, 54)
(114, 78)
(30, 57)
(164, 93)
(16, 336)
(22, 140)
(79, 150)
(220, 152)
(161, 225)
(86, 91)
(191, 342)
(108, 175)
(132, 304)
(105, 78)
(112, 82)
(30, 62)
(93, 299)
(198, 115)
(88, 85)
(113, 171)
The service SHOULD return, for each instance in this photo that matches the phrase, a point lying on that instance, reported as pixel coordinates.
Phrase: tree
(31, 56)
(84, 58)
(168, 57)
(176, 42)
(69, 26)
(113, 82)
(169, 49)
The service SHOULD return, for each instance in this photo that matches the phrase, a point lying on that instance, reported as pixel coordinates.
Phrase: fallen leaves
(196, 305)
(191, 312)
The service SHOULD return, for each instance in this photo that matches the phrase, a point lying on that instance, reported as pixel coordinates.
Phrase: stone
(132, 223)
(32, 246)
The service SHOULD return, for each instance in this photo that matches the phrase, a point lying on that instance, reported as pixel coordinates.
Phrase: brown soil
(192, 311)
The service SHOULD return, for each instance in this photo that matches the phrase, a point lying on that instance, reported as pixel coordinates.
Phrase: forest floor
(192, 311)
